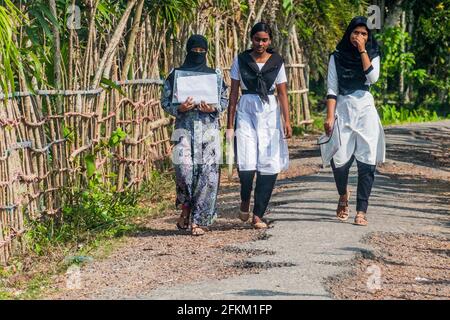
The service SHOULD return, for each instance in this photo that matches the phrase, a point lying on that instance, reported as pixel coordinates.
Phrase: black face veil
(194, 61)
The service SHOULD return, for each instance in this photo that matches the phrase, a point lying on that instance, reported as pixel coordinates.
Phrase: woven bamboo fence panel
(42, 152)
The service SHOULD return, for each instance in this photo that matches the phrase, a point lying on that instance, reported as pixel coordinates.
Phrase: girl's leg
(341, 179)
(246, 178)
(263, 191)
(206, 187)
(366, 177)
(184, 182)
(341, 176)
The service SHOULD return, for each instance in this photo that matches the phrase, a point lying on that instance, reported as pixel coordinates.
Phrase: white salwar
(260, 143)
(360, 128)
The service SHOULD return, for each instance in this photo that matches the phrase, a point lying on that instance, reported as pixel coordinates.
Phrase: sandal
(197, 230)
(244, 216)
(259, 224)
(343, 211)
(185, 213)
(360, 219)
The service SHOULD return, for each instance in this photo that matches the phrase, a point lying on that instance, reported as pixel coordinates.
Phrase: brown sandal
(244, 216)
(343, 211)
(197, 230)
(360, 219)
(259, 224)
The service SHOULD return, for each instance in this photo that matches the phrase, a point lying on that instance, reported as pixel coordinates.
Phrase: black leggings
(366, 176)
(263, 189)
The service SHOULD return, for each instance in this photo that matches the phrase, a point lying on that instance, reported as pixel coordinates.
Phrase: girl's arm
(283, 98)
(373, 72)
(166, 100)
(332, 92)
(232, 103)
(371, 68)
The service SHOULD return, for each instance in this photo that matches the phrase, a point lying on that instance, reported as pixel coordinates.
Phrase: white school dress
(260, 143)
(360, 128)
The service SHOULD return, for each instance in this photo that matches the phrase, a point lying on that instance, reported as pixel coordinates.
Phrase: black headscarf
(194, 61)
(259, 81)
(348, 61)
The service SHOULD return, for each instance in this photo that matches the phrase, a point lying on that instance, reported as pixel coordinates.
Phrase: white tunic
(360, 128)
(260, 143)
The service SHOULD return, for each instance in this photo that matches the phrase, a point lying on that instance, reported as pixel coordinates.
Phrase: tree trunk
(57, 55)
(106, 61)
(401, 79)
(217, 53)
(132, 39)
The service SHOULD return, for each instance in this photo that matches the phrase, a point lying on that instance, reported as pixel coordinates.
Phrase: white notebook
(200, 87)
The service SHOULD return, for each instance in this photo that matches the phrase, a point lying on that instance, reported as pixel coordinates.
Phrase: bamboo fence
(41, 153)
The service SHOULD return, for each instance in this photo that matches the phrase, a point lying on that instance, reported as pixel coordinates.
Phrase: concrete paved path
(310, 244)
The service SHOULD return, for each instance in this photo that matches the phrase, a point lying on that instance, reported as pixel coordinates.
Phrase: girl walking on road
(261, 148)
(353, 67)
(196, 148)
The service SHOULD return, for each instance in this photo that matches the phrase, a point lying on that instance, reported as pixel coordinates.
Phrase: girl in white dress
(260, 135)
(353, 67)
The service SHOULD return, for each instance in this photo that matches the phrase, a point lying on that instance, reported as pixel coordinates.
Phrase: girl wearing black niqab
(196, 152)
(353, 67)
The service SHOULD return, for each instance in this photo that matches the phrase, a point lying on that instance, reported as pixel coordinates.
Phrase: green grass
(390, 114)
(92, 226)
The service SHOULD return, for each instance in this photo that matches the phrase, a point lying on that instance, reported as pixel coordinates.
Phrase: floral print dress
(196, 156)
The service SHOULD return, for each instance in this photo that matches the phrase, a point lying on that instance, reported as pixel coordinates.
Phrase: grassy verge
(92, 226)
(390, 114)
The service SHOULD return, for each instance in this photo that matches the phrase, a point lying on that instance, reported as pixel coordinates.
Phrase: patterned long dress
(196, 156)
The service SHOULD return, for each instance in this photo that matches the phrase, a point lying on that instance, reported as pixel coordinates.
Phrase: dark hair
(261, 26)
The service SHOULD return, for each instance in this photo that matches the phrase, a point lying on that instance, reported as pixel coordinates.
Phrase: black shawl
(259, 81)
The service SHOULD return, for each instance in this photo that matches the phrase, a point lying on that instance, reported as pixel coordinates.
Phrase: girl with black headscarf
(196, 154)
(261, 148)
(353, 67)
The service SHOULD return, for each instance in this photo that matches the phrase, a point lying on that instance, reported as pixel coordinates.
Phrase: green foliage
(10, 18)
(396, 60)
(172, 11)
(390, 114)
(96, 209)
(109, 84)
(320, 25)
(432, 47)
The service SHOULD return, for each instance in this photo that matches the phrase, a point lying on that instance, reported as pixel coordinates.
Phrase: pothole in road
(262, 265)
(250, 252)
(263, 236)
